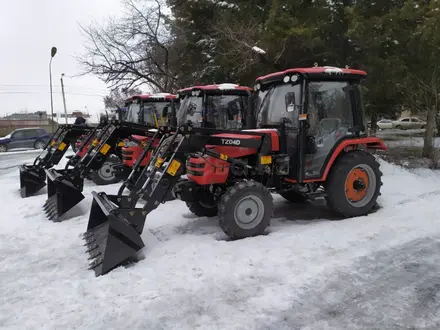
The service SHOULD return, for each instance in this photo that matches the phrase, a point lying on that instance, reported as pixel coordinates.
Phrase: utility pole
(64, 97)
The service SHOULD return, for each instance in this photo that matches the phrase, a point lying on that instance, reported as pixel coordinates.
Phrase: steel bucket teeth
(92, 247)
(90, 240)
(94, 255)
(51, 208)
(95, 263)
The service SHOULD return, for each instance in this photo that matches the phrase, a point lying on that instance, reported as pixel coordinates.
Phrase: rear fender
(368, 144)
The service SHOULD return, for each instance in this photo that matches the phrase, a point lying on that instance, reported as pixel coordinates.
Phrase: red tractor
(220, 106)
(144, 109)
(310, 142)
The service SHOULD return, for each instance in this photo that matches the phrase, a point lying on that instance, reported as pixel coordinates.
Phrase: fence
(7, 126)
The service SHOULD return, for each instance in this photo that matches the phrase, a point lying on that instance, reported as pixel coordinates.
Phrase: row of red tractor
(223, 149)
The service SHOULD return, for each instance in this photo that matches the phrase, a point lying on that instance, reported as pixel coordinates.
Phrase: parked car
(385, 124)
(33, 137)
(409, 123)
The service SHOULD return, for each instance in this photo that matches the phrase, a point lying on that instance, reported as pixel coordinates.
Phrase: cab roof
(317, 72)
(225, 87)
(153, 97)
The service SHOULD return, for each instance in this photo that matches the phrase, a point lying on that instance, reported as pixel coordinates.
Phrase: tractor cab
(316, 108)
(150, 110)
(222, 106)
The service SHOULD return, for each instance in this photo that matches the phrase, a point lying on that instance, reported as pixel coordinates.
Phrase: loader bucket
(113, 235)
(32, 179)
(63, 193)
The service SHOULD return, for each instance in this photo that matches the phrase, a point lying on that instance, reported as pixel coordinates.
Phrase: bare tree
(134, 50)
(117, 97)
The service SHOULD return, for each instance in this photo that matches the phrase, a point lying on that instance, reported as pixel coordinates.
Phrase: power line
(67, 93)
(55, 85)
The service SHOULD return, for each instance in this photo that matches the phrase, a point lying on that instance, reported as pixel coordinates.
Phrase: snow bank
(192, 277)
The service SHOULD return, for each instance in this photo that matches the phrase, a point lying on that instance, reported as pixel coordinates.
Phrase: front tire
(3, 148)
(202, 209)
(353, 184)
(106, 175)
(245, 210)
(399, 127)
(39, 145)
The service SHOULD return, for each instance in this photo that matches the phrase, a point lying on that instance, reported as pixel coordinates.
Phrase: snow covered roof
(156, 97)
(313, 71)
(218, 87)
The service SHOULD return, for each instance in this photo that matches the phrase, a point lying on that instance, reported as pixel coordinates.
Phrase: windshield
(148, 114)
(278, 102)
(222, 111)
(133, 113)
(155, 109)
(190, 110)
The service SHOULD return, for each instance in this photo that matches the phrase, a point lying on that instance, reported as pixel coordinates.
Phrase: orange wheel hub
(356, 185)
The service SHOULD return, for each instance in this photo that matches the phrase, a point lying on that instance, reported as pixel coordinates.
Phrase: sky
(28, 30)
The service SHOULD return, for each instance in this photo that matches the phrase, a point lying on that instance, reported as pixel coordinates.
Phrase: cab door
(330, 116)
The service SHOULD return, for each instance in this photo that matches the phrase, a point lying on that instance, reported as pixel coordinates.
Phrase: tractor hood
(234, 151)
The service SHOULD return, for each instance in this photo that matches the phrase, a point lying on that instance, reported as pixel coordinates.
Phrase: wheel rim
(2, 148)
(360, 185)
(39, 145)
(249, 212)
(106, 172)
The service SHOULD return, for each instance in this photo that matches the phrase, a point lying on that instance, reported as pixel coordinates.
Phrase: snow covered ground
(375, 272)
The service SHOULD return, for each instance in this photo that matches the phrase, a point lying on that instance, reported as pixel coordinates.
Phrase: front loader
(33, 177)
(65, 186)
(155, 108)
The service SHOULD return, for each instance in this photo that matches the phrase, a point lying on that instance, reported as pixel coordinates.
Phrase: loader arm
(65, 186)
(33, 177)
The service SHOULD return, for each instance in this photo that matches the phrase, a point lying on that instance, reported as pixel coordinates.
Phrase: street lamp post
(64, 97)
(53, 51)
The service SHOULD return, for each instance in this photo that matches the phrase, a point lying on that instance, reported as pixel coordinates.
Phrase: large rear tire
(245, 210)
(353, 184)
(106, 174)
